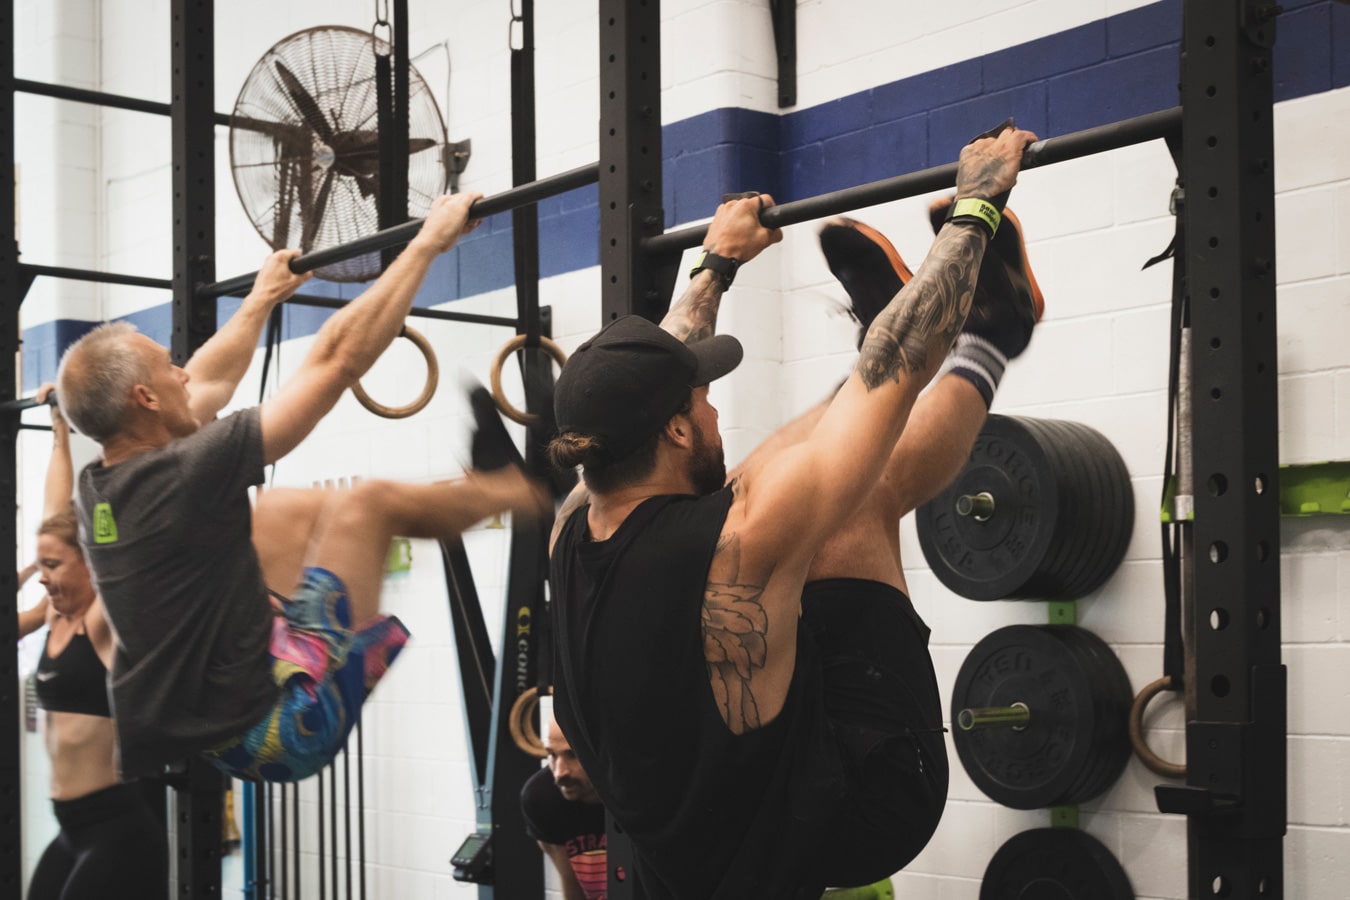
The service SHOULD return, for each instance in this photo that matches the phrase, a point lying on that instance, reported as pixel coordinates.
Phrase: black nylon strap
(1174, 660)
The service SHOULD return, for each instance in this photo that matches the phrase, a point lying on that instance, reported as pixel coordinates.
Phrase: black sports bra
(75, 681)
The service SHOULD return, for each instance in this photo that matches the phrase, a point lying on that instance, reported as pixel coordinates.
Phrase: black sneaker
(866, 264)
(492, 447)
(539, 396)
(1008, 302)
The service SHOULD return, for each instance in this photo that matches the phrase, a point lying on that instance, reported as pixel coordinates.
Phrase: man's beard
(707, 466)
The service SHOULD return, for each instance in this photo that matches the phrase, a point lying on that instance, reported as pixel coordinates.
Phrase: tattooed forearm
(924, 319)
(735, 647)
(693, 318)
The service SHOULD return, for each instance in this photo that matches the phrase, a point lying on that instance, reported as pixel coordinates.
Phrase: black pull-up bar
(402, 234)
(22, 403)
(1051, 150)
(92, 275)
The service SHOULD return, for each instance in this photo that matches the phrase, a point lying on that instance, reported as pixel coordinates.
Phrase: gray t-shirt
(169, 541)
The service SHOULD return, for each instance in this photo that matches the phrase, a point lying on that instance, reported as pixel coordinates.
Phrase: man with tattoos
(777, 736)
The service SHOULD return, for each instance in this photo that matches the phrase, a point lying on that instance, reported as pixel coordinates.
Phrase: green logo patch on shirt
(105, 527)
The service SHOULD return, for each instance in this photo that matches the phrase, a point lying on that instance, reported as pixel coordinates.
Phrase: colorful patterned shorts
(325, 671)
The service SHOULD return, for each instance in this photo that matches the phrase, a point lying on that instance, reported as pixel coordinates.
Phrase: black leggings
(111, 847)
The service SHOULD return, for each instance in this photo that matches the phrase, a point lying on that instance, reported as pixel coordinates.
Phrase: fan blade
(347, 144)
(311, 226)
(304, 103)
(368, 184)
(281, 131)
(367, 166)
(281, 224)
(355, 143)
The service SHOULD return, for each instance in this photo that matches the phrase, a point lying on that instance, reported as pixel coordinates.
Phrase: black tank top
(74, 682)
(711, 814)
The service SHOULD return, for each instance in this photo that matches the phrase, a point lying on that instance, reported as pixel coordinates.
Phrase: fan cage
(304, 148)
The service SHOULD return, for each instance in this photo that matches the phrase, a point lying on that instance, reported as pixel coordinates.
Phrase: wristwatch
(723, 267)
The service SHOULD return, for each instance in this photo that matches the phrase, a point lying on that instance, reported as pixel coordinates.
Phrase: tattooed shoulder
(727, 556)
(735, 648)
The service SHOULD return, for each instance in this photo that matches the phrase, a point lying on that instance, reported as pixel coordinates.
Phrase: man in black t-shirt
(202, 662)
(563, 814)
(738, 667)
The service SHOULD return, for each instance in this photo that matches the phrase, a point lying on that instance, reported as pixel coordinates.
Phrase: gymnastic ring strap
(495, 375)
(521, 723)
(1152, 761)
(433, 378)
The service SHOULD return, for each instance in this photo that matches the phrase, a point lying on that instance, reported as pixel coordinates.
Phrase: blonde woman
(110, 844)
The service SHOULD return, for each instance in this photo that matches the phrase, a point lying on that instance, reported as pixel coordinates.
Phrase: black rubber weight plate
(1042, 764)
(1054, 864)
(1111, 688)
(1107, 482)
(990, 560)
(1063, 513)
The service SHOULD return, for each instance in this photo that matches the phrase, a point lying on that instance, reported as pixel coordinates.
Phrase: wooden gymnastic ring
(522, 728)
(433, 377)
(495, 375)
(1152, 761)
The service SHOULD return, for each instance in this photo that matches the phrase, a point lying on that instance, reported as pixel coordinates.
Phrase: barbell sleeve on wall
(1015, 715)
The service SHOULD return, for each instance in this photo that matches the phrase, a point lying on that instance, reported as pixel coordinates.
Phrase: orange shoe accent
(881, 241)
(1038, 299)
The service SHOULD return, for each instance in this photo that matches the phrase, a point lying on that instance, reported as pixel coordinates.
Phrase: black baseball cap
(624, 384)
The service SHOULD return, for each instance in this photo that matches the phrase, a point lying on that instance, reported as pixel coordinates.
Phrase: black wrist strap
(723, 267)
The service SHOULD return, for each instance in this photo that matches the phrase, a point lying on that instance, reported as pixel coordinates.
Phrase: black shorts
(883, 709)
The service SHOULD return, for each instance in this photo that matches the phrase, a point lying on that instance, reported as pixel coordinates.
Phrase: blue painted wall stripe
(1090, 75)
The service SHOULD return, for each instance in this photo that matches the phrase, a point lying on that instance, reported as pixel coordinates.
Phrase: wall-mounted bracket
(784, 14)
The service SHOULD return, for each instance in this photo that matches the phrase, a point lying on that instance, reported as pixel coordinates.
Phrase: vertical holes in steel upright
(361, 808)
(319, 808)
(347, 805)
(1220, 686)
(333, 822)
(295, 837)
(285, 882)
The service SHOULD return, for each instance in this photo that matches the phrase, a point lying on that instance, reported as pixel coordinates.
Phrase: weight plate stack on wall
(1054, 864)
(1074, 741)
(1043, 510)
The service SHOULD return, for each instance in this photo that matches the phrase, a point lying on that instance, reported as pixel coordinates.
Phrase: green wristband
(975, 209)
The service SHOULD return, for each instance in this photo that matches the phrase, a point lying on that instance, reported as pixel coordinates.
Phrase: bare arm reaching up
(218, 365)
(354, 337)
(902, 351)
(734, 233)
(785, 509)
(60, 484)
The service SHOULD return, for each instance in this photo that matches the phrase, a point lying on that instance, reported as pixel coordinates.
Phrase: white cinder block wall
(1099, 357)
